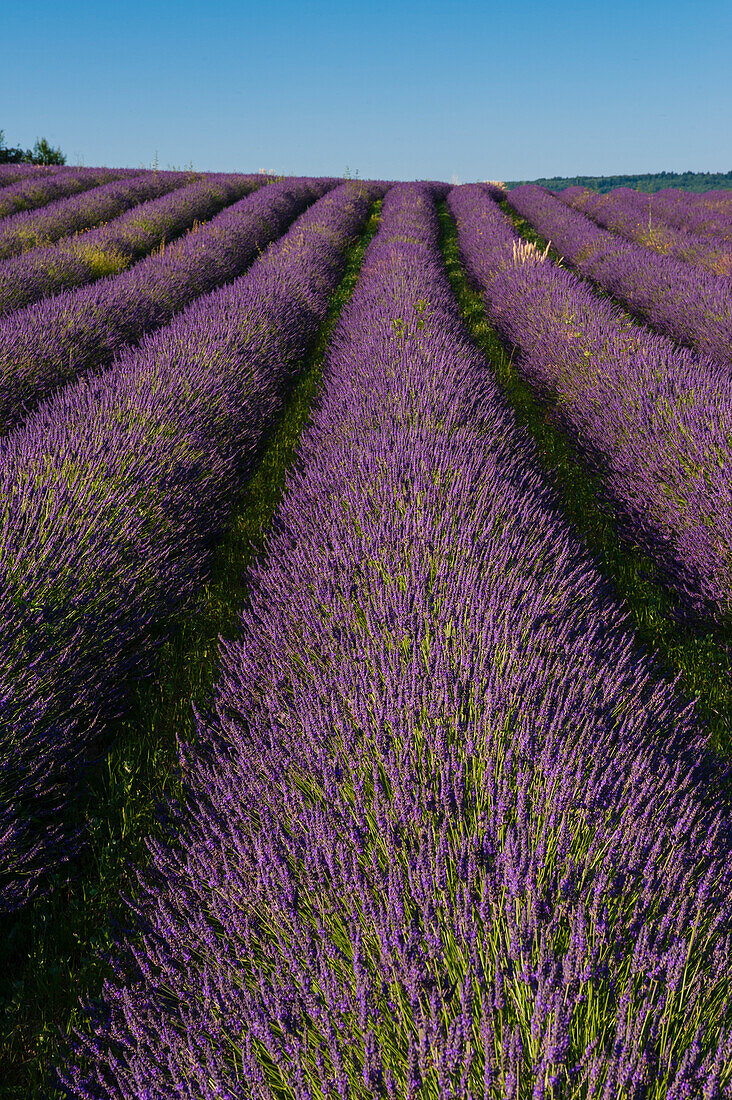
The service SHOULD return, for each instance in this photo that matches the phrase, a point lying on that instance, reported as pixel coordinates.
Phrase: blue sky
(400, 90)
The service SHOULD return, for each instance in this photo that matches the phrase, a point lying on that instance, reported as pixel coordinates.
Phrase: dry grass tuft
(526, 252)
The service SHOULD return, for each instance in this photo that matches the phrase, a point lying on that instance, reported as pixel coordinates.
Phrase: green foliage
(103, 261)
(649, 181)
(402, 330)
(41, 153)
(12, 155)
(44, 153)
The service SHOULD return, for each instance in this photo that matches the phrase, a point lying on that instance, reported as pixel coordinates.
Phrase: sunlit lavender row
(113, 494)
(115, 244)
(708, 213)
(640, 218)
(36, 228)
(448, 833)
(15, 173)
(28, 194)
(685, 302)
(47, 344)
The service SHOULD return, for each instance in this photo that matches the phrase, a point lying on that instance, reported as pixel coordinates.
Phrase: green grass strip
(50, 955)
(700, 654)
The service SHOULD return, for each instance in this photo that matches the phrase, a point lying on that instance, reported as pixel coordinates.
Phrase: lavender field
(365, 640)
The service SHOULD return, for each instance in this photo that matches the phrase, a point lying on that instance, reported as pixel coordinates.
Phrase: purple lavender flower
(692, 306)
(30, 193)
(114, 492)
(49, 343)
(655, 419)
(647, 220)
(420, 595)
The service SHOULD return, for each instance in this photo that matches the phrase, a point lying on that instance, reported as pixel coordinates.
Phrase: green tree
(44, 153)
(12, 156)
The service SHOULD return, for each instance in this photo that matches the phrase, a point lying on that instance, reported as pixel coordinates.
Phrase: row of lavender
(447, 833)
(692, 306)
(27, 194)
(708, 213)
(14, 173)
(45, 345)
(38, 228)
(637, 218)
(111, 247)
(656, 419)
(112, 494)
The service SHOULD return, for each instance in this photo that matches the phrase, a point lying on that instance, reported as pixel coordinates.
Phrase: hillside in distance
(649, 181)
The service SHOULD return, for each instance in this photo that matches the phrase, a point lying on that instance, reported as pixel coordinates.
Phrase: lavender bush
(656, 419)
(114, 245)
(637, 218)
(690, 305)
(15, 173)
(49, 343)
(27, 194)
(113, 493)
(448, 834)
(33, 229)
(707, 214)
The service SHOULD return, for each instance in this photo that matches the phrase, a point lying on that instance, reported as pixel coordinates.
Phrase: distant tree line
(651, 181)
(41, 153)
